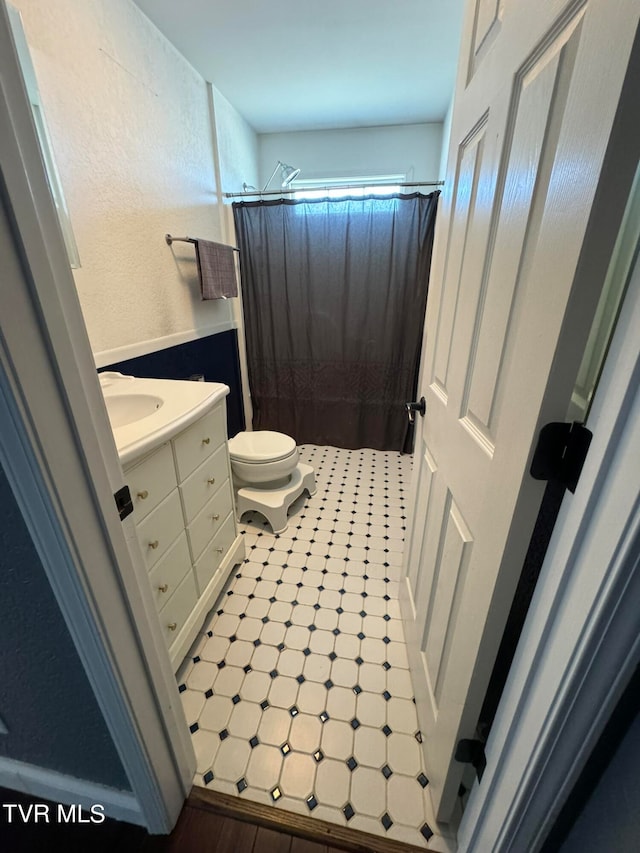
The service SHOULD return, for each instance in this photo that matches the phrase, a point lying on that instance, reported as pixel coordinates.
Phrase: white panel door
(538, 86)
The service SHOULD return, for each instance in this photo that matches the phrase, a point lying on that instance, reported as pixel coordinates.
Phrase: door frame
(61, 461)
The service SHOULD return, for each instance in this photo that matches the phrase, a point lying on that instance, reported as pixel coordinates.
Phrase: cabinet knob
(219, 550)
(172, 626)
(206, 440)
(154, 544)
(211, 481)
(215, 516)
(143, 495)
(163, 587)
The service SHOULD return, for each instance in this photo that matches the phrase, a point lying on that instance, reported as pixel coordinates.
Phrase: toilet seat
(261, 447)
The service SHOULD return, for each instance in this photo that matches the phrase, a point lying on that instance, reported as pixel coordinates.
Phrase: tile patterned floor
(297, 692)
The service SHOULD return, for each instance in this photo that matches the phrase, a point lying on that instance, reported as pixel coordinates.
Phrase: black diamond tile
(386, 731)
(316, 607)
(221, 664)
(182, 688)
(355, 723)
(359, 660)
(351, 763)
(386, 665)
(311, 803)
(386, 640)
(339, 610)
(265, 619)
(386, 617)
(312, 627)
(422, 780)
(273, 673)
(336, 631)
(208, 777)
(386, 695)
(257, 642)
(323, 716)
(232, 638)
(264, 704)
(300, 679)
(363, 614)
(386, 821)
(361, 636)
(318, 755)
(281, 647)
(387, 771)
(294, 711)
(194, 728)
(288, 624)
(208, 693)
(253, 742)
(247, 669)
(197, 659)
(357, 689)
(224, 734)
(242, 785)
(348, 811)
(285, 749)
(426, 832)
(332, 655)
(209, 633)
(306, 652)
(328, 684)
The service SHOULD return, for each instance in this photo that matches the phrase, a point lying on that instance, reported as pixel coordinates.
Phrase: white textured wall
(237, 146)
(130, 125)
(411, 149)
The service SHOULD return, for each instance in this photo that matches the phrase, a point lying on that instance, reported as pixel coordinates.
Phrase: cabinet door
(211, 558)
(150, 481)
(161, 528)
(192, 446)
(205, 481)
(167, 574)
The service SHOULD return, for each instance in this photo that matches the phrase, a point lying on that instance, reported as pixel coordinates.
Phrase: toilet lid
(261, 446)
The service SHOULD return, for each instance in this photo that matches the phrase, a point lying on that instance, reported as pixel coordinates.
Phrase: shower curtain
(334, 295)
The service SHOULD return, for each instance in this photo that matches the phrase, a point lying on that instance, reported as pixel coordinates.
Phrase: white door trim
(61, 461)
(580, 642)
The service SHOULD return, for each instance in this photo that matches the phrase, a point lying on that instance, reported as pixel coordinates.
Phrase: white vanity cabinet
(183, 510)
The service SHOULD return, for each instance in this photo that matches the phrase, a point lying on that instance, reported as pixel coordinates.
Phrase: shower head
(287, 174)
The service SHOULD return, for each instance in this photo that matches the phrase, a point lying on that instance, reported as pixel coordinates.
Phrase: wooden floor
(209, 823)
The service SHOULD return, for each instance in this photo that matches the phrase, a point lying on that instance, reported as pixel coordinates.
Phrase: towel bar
(171, 239)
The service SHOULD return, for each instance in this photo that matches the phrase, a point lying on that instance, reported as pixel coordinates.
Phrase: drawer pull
(163, 587)
(206, 440)
(219, 550)
(211, 481)
(172, 626)
(215, 516)
(143, 495)
(154, 544)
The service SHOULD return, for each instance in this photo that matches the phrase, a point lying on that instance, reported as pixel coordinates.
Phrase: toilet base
(274, 503)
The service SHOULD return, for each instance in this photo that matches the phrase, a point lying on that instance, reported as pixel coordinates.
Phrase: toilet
(268, 475)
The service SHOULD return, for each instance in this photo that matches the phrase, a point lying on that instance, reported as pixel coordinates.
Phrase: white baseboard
(113, 356)
(44, 784)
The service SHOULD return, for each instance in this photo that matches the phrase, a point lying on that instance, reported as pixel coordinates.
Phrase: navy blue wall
(46, 701)
(215, 356)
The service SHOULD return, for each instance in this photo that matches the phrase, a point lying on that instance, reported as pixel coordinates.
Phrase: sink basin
(125, 409)
(144, 413)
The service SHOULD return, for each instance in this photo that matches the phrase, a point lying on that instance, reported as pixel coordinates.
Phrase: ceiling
(289, 65)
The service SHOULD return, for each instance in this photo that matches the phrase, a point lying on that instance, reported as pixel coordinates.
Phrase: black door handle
(412, 408)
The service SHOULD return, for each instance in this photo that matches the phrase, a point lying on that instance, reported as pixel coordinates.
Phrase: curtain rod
(336, 187)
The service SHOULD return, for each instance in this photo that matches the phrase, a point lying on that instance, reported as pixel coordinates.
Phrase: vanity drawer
(193, 445)
(208, 522)
(208, 563)
(151, 481)
(166, 575)
(204, 482)
(161, 528)
(178, 609)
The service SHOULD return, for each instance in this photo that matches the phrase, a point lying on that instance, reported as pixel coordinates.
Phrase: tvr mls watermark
(58, 813)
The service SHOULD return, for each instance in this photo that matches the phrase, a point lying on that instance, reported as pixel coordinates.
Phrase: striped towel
(217, 270)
